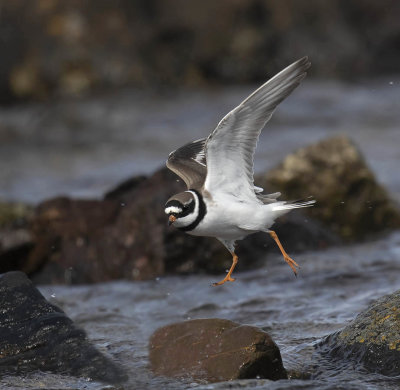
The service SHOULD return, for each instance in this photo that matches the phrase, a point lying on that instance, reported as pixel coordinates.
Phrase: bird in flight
(221, 200)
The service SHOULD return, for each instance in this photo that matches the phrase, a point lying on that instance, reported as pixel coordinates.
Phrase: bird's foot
(227, 278)
(292, 264)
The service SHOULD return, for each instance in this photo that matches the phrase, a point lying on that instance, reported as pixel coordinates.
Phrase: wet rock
(349, 199)
(215, 350)
(36, 335)
(372, 339)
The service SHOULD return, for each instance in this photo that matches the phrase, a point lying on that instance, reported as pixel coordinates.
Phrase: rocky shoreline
(38, 336)
(73, 241)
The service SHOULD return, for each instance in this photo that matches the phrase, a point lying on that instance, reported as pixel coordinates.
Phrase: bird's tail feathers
(295, 204)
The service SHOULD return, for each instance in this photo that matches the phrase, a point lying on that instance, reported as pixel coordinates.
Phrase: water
(332, 287)
(81, 148)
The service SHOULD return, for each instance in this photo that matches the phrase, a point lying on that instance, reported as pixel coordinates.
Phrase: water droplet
(122, 204)
(53, 295)
(157, 279)
(391, 82)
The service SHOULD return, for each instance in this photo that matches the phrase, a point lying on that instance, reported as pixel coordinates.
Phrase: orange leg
(290, 261)
(228, 277)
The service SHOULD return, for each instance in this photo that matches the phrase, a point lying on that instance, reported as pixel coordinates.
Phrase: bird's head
(182, 209)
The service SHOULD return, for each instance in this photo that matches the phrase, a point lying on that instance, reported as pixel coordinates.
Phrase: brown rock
(71, 241)
(349, 199)
(215, 350)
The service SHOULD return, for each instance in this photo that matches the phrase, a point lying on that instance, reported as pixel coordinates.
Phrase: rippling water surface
(333, 286)
(83, 148)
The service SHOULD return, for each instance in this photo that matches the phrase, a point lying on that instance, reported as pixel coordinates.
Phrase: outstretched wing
(230, 147)
(189, 163)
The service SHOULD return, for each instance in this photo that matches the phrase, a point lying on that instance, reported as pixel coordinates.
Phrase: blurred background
(92, 92)
(94, 95)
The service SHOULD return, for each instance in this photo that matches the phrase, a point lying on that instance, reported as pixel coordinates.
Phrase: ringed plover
(221, 200)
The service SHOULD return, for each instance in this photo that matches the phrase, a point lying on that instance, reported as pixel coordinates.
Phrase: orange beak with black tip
(171, 220)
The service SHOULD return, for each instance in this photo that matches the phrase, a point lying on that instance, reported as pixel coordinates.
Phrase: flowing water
(333, 286)
(82, 148)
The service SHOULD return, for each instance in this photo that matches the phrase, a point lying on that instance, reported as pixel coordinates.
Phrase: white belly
(231, 220)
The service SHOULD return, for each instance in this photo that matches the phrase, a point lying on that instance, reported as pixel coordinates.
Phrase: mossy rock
(14, 213)
(349, 199)
(373, 338)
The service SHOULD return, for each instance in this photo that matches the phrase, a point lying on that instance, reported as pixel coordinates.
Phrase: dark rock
(16, 240)
(349, 199)
(72, 241)
(15, 247)
(215, 350)
(372, 339)
(36, 335)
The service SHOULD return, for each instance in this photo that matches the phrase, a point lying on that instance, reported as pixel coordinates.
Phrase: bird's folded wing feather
(230, 147)
(189, 163)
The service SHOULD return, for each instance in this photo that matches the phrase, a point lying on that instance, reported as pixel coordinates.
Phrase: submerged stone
(215, 350)
(36, 335)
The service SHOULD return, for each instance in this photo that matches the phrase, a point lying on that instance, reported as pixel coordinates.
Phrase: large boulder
(349, 199)
(214, 350)
(372, 339)
(36, 335)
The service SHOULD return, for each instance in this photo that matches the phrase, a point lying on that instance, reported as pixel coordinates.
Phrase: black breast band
(200, 216)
